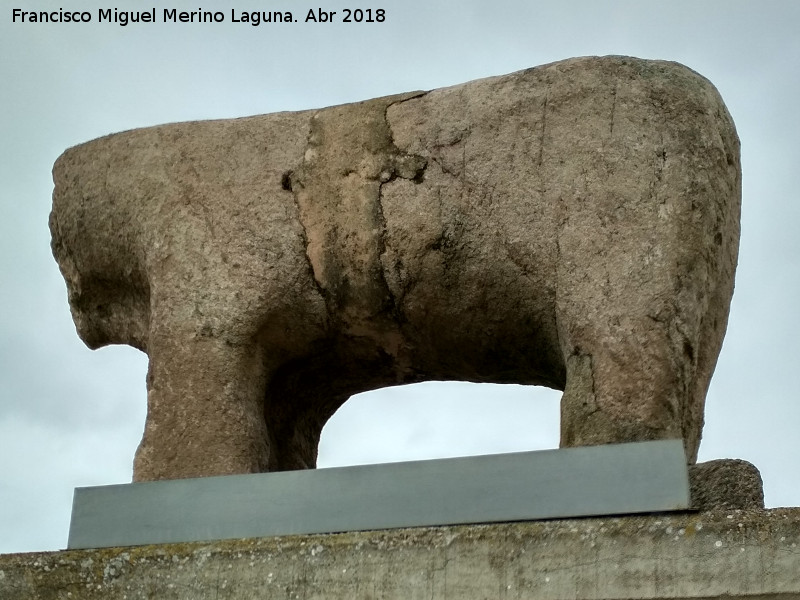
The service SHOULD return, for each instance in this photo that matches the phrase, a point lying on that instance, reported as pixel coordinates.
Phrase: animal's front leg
(204, 409)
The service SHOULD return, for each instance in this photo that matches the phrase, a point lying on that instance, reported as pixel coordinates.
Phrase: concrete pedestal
(726, 554)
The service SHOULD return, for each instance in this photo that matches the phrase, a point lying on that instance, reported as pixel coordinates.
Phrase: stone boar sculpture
(574, 225)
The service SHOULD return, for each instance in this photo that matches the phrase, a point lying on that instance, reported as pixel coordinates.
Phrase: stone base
(726, 484)
(723, 554)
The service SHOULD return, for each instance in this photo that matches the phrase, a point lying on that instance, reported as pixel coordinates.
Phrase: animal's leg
(304, 393)
(205, 409)
(295, 438)
(300, 399)
(623, 389)
(630, 345)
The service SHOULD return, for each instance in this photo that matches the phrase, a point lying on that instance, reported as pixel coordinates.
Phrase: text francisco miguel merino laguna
(172, 15)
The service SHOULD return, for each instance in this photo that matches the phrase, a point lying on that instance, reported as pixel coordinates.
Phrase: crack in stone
(541, 134)
(405, 166)
(542, 187)
(338, 188)
(613, 109)
(591, 402)
(290, 183)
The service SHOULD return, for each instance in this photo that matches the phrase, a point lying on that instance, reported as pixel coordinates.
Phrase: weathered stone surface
(726, 484)
(736, 554)
(573, 225)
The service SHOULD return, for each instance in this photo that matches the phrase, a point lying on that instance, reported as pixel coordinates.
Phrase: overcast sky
(71, 417)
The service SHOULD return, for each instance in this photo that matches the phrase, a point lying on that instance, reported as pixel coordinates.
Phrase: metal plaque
(571, 482)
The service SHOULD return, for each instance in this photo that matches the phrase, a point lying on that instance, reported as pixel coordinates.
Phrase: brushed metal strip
(572, 482)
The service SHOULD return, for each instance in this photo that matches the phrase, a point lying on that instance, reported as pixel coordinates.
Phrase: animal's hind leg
(629, 350)
(621, 388)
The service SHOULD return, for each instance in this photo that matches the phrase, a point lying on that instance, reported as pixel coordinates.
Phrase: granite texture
(574, 225)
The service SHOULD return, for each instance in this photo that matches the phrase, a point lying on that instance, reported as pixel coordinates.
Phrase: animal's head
(97, 245)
